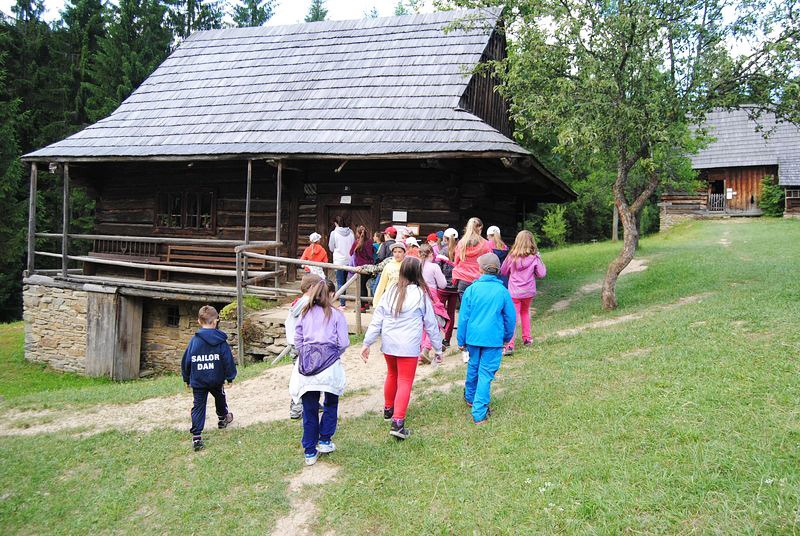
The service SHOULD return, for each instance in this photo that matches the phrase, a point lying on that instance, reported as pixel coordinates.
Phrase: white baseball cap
(493, 230)
(411, 241)
(314, 237)
(450, 233)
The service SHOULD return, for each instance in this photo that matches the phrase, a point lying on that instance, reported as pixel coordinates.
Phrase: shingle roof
(345, 88)
(740, 142)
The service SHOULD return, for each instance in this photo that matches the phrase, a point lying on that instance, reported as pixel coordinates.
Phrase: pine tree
(317, 11)
(12, 205)
(85, 27)
(138, 41)
(400, 9)
(253, 13)
(188, 16)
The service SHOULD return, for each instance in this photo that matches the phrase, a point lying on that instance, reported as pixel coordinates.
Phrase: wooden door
(358, 215)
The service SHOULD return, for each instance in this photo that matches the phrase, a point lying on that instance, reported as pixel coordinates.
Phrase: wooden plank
(127, 350)
(101, 333)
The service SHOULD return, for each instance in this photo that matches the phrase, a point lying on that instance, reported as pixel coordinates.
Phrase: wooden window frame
(795, 193)
(185, 193)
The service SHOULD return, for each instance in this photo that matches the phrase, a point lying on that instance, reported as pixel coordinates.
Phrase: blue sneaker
(311, 459)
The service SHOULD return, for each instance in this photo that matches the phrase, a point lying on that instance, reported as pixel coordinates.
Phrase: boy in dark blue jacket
(486, 323)
(207, 363)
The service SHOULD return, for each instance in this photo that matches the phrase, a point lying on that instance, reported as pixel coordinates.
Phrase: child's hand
(365, 353)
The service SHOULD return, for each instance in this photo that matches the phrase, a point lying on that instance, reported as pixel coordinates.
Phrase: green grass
(685, 421)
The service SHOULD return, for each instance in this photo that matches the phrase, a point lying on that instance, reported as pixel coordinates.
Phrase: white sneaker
(311, 459)
(326, 447)
(465, 357)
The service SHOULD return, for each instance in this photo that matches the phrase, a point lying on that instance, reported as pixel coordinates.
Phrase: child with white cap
(499, 248)
(449, 294)
(316, 253)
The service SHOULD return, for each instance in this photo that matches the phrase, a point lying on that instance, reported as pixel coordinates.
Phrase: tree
(372, 13)
(623, 81)
(401, 9)
(253, 12)
(317, 11)
(12, 205)
(85, 21)
(188, 16)
(138, 41)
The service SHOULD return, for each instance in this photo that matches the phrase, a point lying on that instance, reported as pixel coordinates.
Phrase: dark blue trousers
(318, 427)
(199, 408)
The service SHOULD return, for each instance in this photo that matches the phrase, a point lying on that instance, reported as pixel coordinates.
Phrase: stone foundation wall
(55, 326)
(163, 345)
(667, 219)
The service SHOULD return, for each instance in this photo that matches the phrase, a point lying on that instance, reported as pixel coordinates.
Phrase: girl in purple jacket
(523, 267)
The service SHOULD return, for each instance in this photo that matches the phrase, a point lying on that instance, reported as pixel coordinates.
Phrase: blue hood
(213, 337)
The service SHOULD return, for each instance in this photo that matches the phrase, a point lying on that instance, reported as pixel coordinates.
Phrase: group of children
(415, 301)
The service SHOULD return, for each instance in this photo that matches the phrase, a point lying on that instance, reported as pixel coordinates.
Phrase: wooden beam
(163, 240)
(279, 193)
(32, 220)
(65, 224)
(239, 309)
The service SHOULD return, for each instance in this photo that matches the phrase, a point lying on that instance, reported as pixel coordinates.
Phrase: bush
(772, 197)
(554, 226)
(251, 303)
(649, 219)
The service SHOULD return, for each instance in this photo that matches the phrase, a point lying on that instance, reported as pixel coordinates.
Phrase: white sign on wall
(399, 216)
(346, 200)
(729, 193)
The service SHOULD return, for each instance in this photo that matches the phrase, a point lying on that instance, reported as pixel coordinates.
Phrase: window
(173, 316)
(792, 194)
(192, 210)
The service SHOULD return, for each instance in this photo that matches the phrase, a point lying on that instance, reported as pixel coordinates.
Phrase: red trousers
(400, 373)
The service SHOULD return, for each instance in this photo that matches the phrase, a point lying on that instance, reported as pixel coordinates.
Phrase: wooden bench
(215, 257)
(125, 250)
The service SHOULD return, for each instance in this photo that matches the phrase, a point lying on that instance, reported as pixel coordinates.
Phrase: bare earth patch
(302, 509)
(635, 266)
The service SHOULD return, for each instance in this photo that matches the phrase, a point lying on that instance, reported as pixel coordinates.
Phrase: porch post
(247, 214)
(247, 202)
(32, 220)
(278, 194)
(278, 202)
(65, 224)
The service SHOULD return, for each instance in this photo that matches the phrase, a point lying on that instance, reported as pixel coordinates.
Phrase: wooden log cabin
(261, 136)
(744, 150)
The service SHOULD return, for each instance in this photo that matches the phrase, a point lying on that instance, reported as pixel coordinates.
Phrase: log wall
(481, 97)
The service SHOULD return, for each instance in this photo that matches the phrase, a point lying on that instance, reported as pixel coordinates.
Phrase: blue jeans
(341, 278)
(482, 366)
(318, 428)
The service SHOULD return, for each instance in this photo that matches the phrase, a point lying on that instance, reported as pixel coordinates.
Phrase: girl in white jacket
(399, 319)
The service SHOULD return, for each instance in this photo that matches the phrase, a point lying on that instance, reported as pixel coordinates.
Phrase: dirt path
(264, 398)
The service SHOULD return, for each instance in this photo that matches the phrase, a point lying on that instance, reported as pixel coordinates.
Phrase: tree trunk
(630, 231)
(630, 240)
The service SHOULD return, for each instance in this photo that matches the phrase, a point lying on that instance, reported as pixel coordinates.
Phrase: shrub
(251, 303)
(772, 197)
(554, 226)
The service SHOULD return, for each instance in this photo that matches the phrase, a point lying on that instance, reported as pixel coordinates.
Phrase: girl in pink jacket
(523, 267)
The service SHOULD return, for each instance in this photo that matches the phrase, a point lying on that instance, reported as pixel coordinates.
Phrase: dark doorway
(717, 187)
(358, 215)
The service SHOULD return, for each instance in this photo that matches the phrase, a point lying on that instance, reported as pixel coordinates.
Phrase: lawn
(683, 419)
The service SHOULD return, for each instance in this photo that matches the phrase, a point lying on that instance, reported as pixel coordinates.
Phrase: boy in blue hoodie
(486, 323)
(206, 365)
